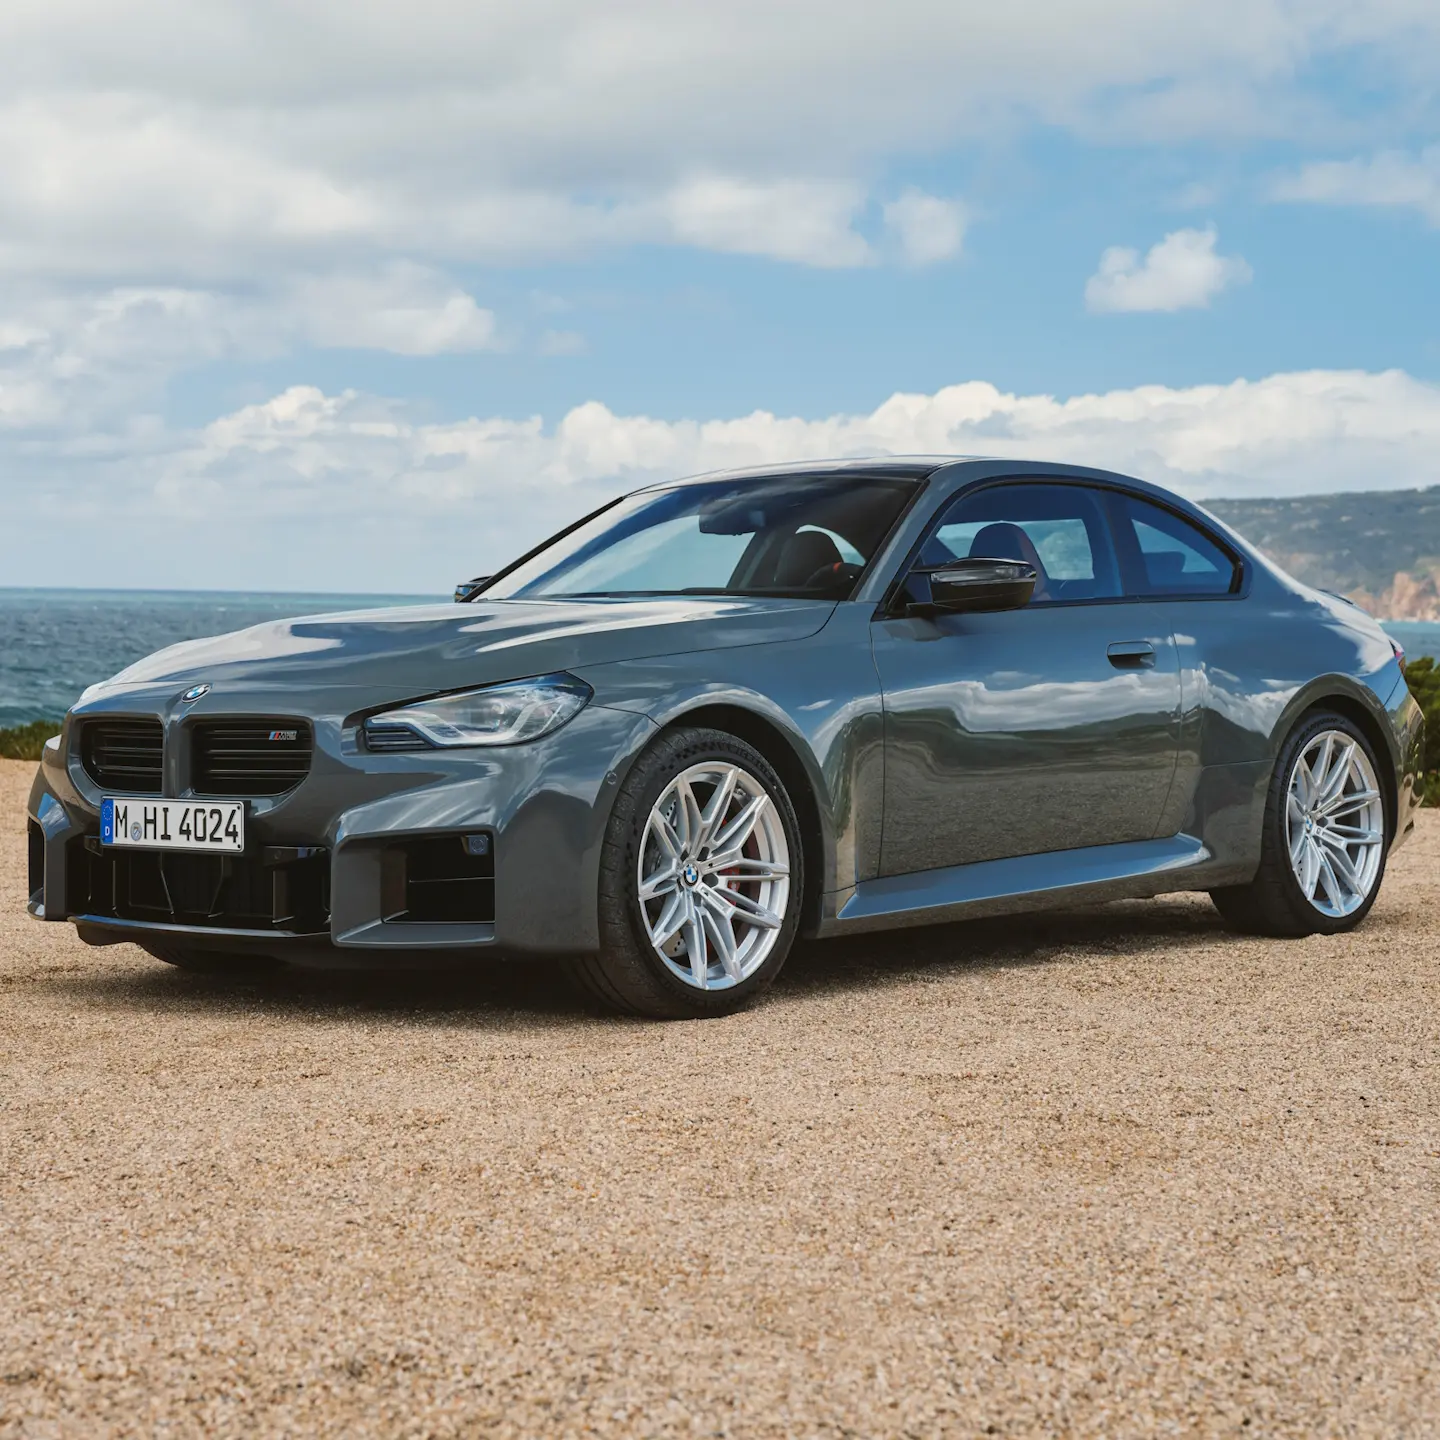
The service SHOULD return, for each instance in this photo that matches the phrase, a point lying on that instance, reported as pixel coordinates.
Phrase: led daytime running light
(508, 714)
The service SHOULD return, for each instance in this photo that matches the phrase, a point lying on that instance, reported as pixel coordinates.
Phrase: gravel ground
(1107, 1172)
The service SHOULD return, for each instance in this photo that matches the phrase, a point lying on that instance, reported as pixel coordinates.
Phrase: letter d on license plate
(137, 824)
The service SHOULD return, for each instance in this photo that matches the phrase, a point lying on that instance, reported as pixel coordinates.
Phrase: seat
(807, 561)
(1003, 540)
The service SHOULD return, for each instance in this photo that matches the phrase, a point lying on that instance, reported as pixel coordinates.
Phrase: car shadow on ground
(1039, 938)
(495, 994)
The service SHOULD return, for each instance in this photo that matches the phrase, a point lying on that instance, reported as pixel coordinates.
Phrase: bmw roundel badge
(195, 692)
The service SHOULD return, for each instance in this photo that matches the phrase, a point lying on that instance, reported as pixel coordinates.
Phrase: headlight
(497, 715)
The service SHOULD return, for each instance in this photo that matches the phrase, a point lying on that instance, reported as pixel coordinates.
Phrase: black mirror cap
(979, 584)
(469, 589)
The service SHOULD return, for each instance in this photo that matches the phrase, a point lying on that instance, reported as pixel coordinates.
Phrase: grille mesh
(229, 892)
(249, 757)
(124, 755)
(385, 738)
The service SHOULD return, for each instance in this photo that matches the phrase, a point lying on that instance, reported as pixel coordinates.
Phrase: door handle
(1132, 655)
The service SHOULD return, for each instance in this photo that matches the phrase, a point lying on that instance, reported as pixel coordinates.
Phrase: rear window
(1165, 555)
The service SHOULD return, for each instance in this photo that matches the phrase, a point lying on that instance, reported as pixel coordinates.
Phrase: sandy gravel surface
(1110, 1172)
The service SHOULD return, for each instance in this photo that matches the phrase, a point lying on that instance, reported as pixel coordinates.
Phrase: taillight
(1399, 650)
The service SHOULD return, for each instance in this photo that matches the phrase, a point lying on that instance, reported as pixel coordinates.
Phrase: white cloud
(82, 358)
(403, 308)
(808, 221)
(346, 490)
(1392, 178)
(1182, 272)
(463, 131)
(926, 228)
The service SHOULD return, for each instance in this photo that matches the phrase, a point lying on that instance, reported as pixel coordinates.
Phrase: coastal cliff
(1380, 548)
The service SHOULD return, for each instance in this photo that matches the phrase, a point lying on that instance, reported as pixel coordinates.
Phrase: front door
(1047, 728)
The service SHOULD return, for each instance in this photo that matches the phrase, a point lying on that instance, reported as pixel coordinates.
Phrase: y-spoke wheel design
(1325, 833)
(701, 879)
(714, 875)
(1334, 823)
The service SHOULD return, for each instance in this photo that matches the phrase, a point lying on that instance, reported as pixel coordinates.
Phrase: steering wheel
(838, 576)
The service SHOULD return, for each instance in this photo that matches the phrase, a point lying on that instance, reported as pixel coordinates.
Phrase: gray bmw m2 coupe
(720, 713)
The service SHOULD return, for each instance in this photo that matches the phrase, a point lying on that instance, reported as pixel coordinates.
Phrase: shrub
(25, 742)
(1424, 680)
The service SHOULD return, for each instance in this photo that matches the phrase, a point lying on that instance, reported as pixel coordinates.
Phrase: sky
(324, 296)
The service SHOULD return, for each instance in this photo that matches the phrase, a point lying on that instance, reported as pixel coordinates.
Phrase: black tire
(1273, 902)
(212, 962)
(627, 975)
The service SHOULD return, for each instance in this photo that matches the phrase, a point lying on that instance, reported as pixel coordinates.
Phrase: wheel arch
(785, 756)
(1372, 725)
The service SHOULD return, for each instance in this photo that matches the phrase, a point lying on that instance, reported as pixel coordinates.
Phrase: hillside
(1381, 548)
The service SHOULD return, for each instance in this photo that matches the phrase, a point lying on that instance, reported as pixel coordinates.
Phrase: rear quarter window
(1164, 555)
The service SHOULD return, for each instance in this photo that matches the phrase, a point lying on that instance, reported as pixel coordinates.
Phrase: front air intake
(125, 757)
(249, 757)
(449, 879)
(37, 861)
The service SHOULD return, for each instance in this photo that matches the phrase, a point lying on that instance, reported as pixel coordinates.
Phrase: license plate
(216, 826)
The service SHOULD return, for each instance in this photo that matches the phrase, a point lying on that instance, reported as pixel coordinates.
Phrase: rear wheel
(1325, 833)
(700, 881)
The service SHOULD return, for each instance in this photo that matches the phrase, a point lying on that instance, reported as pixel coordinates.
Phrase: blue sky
(295, 295)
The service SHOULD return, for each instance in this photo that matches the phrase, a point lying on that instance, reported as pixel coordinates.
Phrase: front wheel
(700, 880)
(1325, 834)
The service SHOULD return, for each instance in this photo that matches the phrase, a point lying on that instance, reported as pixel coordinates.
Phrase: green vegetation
(1424, 681)
(25, 742)
(1348, 543)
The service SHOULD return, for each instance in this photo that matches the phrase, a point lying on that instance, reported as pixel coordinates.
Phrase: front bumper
(340, 865)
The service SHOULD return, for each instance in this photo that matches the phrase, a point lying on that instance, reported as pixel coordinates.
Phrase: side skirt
(1027, 882)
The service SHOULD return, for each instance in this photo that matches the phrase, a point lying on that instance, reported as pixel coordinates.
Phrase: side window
(1059, 529)
(1165, 555)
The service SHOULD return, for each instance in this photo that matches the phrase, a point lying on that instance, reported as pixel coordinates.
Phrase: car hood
(377, 655)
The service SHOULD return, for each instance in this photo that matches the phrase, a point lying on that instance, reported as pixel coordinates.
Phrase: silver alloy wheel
(1335, 823)
(714, 875)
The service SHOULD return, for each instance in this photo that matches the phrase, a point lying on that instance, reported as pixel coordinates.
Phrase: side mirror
(978, 584)
(469, 589)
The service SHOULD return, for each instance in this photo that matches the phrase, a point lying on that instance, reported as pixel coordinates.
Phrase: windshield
(775, 535)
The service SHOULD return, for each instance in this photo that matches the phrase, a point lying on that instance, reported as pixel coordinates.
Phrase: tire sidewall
(655, 770)
(1315, 920)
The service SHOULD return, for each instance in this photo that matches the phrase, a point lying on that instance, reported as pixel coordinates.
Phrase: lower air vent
(249, 757)
(287, 891)
(448, 880)
(37, 860)
(125, 756)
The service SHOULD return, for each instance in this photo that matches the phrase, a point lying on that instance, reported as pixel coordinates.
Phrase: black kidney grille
(249, 757)
(124, 755)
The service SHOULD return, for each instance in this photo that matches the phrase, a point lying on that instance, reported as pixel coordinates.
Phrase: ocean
(53, 643)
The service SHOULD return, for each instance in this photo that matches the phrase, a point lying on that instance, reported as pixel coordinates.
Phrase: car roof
(897, 467)
(964, 468)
